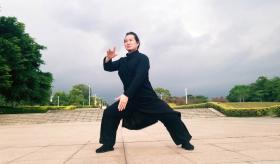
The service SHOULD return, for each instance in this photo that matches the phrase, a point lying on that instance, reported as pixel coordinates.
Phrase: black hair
(135, 36)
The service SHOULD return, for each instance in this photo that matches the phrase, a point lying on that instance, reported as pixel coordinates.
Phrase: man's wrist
(125, 94)
(107, 59)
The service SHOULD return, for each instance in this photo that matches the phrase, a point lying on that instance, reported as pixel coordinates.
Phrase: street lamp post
(186, 93)
(51, 98)
(88, 95)
(101, 103)
(95, 100)
(57, 100)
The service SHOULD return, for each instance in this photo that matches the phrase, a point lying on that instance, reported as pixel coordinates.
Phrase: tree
(263, 89)
(238, 93)
(63, 98)
(2, 101)
(162, 93)
(275, 89)
(177, 100)
(79, 94)
(219, 99)
(21, 58)
(196, 99)
(191, 99)
(5, 77)
(258, 90)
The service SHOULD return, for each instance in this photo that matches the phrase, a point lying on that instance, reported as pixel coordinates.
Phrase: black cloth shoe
(187, 146)
(104, 148)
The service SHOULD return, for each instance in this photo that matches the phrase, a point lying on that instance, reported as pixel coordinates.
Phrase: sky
(206, 46)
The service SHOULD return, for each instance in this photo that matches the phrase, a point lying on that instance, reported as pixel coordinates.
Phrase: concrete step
(86, 115)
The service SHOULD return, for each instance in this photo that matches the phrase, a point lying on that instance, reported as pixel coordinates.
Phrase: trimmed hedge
(190, 106)
(32, 109)
(237, 112)
(172, 105)
(275, 110)
(11, 110)
(71, 107)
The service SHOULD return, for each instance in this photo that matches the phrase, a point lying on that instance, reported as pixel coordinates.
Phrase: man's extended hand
(111, 54)
(123, 101)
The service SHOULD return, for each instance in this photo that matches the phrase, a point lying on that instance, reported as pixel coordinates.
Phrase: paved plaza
(71, 137)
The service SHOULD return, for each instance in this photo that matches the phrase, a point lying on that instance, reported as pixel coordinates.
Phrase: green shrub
(246, 112)
(236, 112)
(11, 110)
(50, 107)
(190, 106)
(32, 109)
(249, 104)
(275, 110)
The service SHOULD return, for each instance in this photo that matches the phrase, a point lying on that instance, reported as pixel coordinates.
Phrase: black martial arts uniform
(144, 108)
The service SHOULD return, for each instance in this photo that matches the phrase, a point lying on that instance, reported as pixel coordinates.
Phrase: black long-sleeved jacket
(133, 71)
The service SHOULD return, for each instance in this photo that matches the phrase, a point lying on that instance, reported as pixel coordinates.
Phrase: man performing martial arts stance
(138, 106)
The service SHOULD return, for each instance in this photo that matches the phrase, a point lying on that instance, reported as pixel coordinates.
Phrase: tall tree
(22, 57)
(5, 77)
(162, 93)
(63, 98)
(275, 89)
(258, 90)
(263, 89)
(79, 95)
(239, 93)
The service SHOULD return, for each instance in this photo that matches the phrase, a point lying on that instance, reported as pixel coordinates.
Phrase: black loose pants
(111, 119)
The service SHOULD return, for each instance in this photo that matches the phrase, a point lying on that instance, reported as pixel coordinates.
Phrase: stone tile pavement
(217, 140)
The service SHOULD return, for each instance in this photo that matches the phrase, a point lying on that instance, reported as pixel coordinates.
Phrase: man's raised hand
(111, 54)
